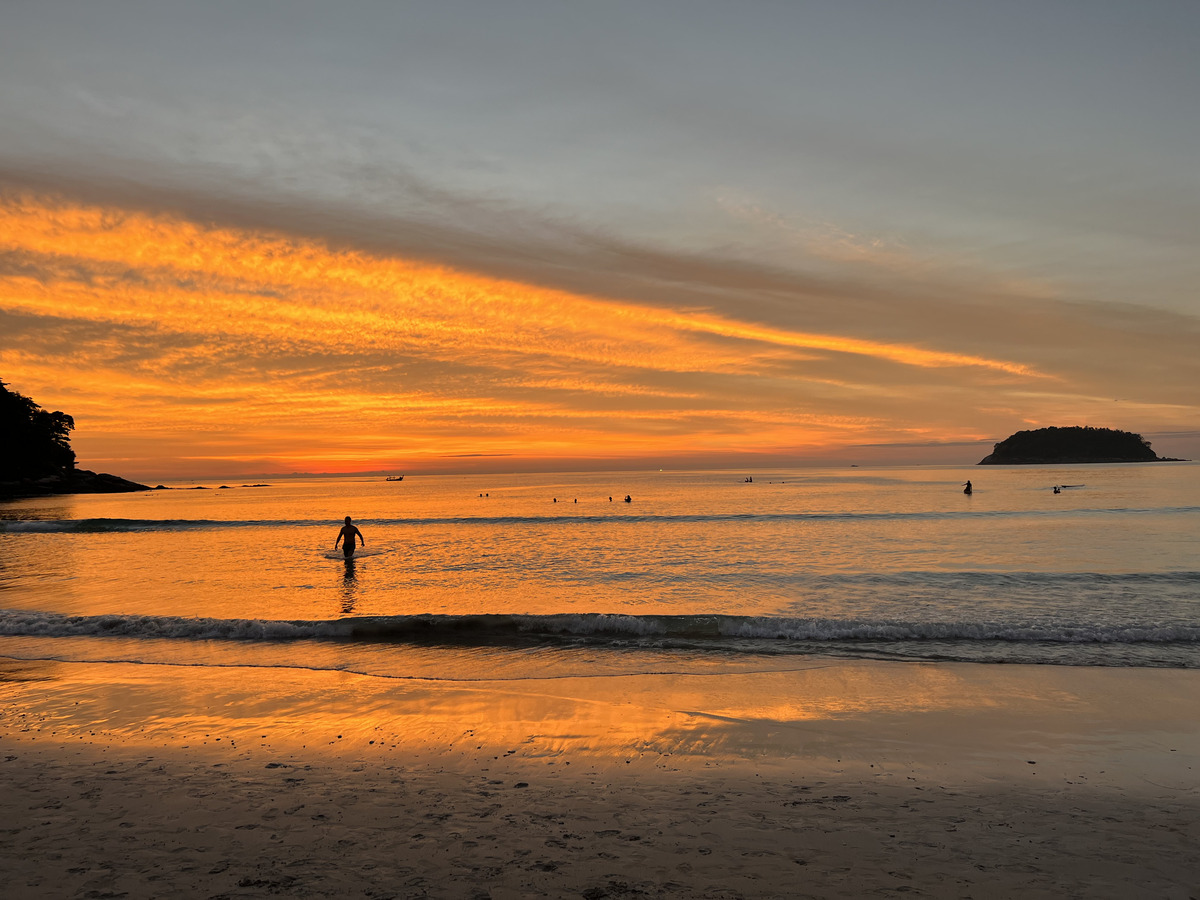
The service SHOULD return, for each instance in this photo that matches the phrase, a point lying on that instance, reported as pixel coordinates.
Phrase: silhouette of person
(348, 533)
(967, 488)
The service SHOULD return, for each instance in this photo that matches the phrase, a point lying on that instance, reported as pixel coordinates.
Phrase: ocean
(494, 577)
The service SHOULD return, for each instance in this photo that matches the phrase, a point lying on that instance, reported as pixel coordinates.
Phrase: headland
(36, 458)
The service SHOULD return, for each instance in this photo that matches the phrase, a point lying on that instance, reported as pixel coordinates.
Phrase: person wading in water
(348, 534)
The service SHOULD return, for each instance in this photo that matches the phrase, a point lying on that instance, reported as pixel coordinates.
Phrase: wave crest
(745, 633)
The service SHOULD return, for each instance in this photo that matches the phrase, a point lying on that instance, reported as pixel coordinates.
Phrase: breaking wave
(692, 631)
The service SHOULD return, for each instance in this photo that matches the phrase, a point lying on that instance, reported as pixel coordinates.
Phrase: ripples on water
(489, 576)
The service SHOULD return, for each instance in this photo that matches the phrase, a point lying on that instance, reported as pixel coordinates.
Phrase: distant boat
(394, 478)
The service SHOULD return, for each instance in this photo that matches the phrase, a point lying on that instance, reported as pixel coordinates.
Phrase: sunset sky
(279, 236)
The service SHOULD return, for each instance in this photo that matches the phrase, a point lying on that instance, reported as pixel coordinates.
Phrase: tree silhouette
(36, 443)
(1074, 444)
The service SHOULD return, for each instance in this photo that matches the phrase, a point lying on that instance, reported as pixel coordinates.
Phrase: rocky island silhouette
(1076, 444)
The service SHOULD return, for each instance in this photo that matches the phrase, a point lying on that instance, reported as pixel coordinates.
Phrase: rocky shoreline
(78, 481)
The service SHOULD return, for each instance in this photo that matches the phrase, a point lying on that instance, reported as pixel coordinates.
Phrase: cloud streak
(288, 351)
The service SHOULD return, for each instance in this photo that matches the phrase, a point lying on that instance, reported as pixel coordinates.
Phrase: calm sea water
(487, 577)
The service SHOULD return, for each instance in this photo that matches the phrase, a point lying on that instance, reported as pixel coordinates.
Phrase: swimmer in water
(348, 534)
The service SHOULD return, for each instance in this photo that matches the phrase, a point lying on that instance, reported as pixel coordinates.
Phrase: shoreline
(843, 778)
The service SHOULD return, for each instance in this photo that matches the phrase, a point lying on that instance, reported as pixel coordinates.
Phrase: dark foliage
(1071, 445)
(34, 443)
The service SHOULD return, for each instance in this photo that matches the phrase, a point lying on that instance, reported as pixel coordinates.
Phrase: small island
(1076, 444)
(36, 456)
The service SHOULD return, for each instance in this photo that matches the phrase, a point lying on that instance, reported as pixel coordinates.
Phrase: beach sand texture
(833, 779)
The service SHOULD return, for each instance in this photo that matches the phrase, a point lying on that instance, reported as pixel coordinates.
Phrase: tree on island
(36, 455)
(1077, 444)
(36, 443)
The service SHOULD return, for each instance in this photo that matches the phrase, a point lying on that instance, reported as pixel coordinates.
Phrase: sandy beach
(833, 779)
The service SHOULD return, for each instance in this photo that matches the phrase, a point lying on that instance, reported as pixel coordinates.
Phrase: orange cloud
(156, 332)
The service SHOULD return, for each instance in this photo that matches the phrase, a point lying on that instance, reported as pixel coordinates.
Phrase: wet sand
(835, 779)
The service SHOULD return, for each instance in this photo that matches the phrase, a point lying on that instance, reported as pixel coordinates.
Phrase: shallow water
(467, 577)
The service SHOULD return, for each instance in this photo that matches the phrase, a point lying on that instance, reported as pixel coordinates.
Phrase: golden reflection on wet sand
(900, 714)
(857, 778)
